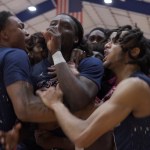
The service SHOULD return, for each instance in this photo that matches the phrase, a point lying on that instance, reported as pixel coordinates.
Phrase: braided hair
(131, 39)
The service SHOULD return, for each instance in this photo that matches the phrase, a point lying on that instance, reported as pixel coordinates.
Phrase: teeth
(106, 53)
(104, 58)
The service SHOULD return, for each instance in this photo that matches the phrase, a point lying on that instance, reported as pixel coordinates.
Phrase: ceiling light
(32, 8)
(108, 1)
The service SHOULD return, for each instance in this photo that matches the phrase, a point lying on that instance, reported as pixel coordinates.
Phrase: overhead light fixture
(32, 8)
(108, 1)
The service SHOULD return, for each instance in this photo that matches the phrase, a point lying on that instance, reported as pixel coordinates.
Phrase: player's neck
(126, 72)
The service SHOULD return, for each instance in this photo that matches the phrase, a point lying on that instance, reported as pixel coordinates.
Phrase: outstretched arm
(85, 132)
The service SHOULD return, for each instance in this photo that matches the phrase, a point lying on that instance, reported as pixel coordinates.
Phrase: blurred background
(91, 13)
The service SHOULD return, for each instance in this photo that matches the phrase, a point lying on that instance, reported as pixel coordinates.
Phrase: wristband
(58, 58)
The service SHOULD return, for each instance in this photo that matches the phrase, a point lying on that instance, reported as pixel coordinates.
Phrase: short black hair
(105, 31)
(79, 29)
(4, 15)
(132, 39)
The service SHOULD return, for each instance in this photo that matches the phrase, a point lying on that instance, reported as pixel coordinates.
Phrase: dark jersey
(90, 68)
(134, 133)
(14, 66)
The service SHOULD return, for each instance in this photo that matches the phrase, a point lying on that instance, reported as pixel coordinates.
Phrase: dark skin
(96, 36)
(62, 32)
(96, 43)
(79, 83)
(61, 35)
(27, 106)
(47, 140)
(67, 40)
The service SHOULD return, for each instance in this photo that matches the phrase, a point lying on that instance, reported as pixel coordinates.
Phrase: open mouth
(105, 58)
(105, 52)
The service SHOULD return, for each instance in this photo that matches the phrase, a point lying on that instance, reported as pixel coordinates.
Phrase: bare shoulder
(134, 93)
(130, 90)
(133, 83)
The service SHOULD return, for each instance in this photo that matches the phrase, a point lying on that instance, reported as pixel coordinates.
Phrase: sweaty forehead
(97, 33)
(64, 18)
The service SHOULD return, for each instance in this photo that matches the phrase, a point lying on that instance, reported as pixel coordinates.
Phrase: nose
(94, 41)
(108, 45)
(25, 32)
(27, 35)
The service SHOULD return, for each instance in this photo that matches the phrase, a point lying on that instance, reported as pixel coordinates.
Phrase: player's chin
(106, 64)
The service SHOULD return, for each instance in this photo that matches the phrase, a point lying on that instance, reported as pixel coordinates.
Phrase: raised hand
(53, 39)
